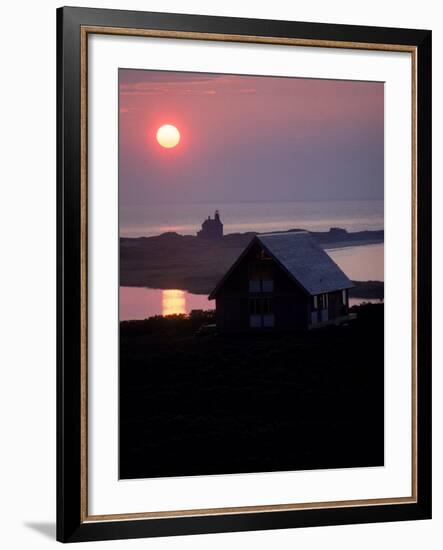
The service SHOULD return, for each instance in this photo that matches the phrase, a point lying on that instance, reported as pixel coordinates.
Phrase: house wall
(290, 304)
(232, 313)
(336, 308)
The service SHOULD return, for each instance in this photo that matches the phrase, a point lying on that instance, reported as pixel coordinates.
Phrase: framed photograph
(244, 274)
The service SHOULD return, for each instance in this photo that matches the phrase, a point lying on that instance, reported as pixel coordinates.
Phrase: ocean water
(241, 217)
(358, 262)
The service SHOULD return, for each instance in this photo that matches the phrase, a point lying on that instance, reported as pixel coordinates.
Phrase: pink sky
(249, 138)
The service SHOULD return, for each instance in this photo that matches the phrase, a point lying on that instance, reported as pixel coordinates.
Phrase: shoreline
(367, 242)
(195, 265)
(372, 290)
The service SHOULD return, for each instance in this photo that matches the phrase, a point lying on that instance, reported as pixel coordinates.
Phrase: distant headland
(196, 263)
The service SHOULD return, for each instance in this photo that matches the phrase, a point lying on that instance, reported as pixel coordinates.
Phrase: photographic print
(243, 274)
(251, 273)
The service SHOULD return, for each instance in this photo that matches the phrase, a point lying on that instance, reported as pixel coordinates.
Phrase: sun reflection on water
(173, 302)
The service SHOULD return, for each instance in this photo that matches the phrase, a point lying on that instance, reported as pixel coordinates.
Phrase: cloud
(135, 76)
(148, 83)
(196, 92)
(124, 110)
(142, 88)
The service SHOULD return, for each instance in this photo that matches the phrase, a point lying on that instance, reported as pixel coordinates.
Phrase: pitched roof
(306, 261)
(302, 258)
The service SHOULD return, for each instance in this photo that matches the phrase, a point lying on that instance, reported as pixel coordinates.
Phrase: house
(282, 281)
(211, 228)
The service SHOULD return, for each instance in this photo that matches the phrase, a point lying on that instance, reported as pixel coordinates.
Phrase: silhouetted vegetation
(367, 289)
(209, 404)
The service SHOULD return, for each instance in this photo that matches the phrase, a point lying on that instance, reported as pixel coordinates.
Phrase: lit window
(268, 286)
(261, 313)
(254, 286)
(268, 320)
(321, 301)
(260, 276)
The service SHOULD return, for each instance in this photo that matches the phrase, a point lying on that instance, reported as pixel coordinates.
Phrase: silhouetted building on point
(281, 281)
(211, 228)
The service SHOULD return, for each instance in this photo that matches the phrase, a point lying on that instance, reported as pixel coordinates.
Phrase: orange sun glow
(173, 302)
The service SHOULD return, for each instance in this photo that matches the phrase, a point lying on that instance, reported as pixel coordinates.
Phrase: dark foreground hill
(189, 263)
(213, 404)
